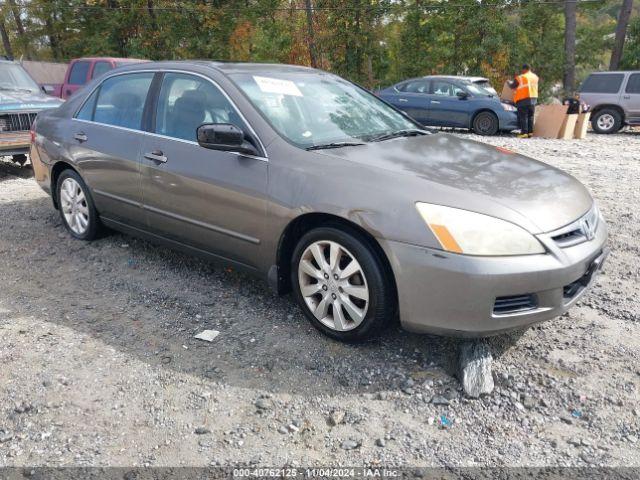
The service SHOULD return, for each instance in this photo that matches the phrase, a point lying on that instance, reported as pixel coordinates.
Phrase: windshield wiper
(334, 145)
(399, 133)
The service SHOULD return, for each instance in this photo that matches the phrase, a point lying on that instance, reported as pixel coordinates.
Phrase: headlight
(508, 107)
(462, 231)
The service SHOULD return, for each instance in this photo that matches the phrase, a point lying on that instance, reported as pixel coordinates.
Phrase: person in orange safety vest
(525, 98)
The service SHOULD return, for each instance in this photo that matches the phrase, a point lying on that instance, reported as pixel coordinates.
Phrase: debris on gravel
(207, 335)
(100, 357)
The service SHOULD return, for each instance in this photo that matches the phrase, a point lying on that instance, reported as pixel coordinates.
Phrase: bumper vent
(514, 304)
(16, 122)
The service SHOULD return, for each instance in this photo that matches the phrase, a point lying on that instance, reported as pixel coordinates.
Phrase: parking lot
(100, 367)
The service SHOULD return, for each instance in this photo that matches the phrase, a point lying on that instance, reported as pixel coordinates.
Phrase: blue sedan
(459, 102)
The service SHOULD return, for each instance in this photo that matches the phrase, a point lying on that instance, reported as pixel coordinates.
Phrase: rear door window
(121, 100)
(633, 84)
(78, 74)
(416, 86)
(86, 112)
(100, 68)
(603, 83)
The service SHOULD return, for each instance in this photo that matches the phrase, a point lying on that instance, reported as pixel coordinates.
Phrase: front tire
(485, 123)
(606, 121)
(77, 210)
(341, 284)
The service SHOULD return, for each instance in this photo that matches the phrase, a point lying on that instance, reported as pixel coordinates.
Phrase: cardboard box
(549, 120)
(580, 131)
(507, 93)
(568, 127)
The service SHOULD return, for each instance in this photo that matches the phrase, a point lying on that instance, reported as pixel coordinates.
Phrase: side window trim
(97, 90)
(151, 104)
(263, 151)
(250, 131)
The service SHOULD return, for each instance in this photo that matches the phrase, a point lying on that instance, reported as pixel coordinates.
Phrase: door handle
(403, 100)
(435, 101)
(81, 137)
(156, 156)
(627, 97)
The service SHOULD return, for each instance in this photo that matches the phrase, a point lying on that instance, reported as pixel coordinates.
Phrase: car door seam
(214, 228)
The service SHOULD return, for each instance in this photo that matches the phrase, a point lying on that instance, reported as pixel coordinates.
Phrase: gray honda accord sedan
(318, 186)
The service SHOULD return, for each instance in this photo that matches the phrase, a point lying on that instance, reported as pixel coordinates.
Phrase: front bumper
(508, 121)
(14, 143)
(451, 294)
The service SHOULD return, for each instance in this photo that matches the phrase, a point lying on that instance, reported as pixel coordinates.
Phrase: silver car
(305, 179)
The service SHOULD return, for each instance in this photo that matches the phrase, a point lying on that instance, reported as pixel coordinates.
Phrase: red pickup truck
(83, 70)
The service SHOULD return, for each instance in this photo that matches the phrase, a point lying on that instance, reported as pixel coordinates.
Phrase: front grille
(569, 238)
(581, 230)
(514, 304)
(16, 122)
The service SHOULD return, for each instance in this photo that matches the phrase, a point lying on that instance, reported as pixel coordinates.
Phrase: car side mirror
(224, 136)
(462, 95)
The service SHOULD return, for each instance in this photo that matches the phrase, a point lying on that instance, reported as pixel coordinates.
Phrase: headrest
(126, 100)
(191, 101)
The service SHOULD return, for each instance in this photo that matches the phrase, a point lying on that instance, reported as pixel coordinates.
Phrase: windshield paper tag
(275, 85)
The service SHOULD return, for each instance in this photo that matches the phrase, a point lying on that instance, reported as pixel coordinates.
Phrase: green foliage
(631, 57)
(373, 42)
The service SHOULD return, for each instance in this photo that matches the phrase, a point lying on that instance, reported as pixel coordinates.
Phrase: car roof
(614, 71)
(226, 68)
(446, 77)
(457, 77)
(116, 59)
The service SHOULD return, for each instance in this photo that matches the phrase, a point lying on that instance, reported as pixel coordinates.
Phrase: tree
(631, 58)
(621, 33)
(20, 28)
(5, 40)
(569, 77)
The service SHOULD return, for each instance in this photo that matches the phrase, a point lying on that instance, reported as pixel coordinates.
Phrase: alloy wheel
(74, 206)
(333, 285)
(606, 121)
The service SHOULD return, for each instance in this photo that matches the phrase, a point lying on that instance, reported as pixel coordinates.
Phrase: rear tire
(607, 120)
(345, 300)
(77, 210)
(485, 123)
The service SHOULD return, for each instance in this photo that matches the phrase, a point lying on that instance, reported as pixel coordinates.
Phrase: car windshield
(313, 109)
(480, 89)
(14, 77)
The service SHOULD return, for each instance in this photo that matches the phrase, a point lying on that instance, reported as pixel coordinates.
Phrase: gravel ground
(100, 366)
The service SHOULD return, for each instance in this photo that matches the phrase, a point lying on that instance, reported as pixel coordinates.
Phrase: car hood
(12, 100)
(448, 170)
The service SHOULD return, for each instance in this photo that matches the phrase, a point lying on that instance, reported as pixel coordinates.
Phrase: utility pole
(621, 33)
(569, 77)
